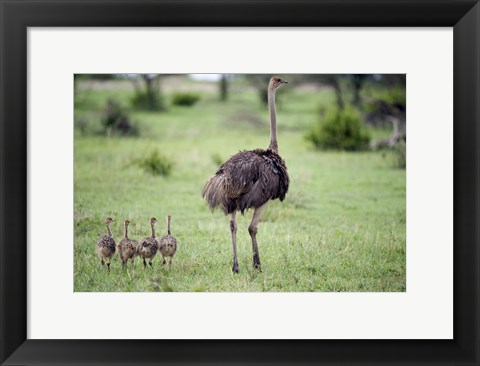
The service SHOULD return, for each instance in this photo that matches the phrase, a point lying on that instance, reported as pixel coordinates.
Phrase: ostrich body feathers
(167, 245)
(127, 249)
(247, 180)
(147, 247)
(106, 246)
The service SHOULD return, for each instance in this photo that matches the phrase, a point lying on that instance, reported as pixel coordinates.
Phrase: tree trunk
(357, 82)
(338, 94)
(223, 88)
(150, 91)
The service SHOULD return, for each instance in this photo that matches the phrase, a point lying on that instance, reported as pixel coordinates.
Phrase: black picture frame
(17, 15)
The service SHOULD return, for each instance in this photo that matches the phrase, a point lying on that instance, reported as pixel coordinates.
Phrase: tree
(358, 80)
(224, 87)
(260, 82)
(147, 91)
(332, 80)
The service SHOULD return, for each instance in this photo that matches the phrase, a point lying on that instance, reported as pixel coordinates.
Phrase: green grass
(341, 227)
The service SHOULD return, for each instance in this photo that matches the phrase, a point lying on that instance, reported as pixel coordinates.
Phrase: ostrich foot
(256, 262)
(235, 267)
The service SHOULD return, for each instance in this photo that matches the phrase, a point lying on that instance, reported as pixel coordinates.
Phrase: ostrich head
(153, 220)
(108, 220)
(126, 222)
(276, 82)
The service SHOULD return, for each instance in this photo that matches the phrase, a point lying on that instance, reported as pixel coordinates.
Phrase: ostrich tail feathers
(214, 192)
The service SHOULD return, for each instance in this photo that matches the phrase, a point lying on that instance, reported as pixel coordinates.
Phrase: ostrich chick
(106, 245)
(147, 247)
(168, 244)
(127, 248)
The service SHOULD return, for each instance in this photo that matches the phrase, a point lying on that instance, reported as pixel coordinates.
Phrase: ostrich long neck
(108, 229)
(126, 231)
(168, 226)
(153, 230)
(273, 120)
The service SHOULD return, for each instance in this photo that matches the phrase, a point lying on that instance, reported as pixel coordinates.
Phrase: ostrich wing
(247, 180)
(240, 172)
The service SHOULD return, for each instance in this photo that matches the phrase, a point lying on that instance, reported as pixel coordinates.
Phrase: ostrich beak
(284, 81)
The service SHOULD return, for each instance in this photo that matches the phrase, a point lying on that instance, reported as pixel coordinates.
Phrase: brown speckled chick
(127, 248)
(168, 244)
(106, 245)
(147, 247)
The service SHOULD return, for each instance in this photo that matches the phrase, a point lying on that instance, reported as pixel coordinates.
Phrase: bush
(385, 103)
(393, 96)
(115, 120)
(148, 101)
(340, 130)
(155, 163)
(185, 99)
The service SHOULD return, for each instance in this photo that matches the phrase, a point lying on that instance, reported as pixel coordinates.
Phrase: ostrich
(168, 244)
(106, 245)
(127, 248)
(249, 179)
(147, 247)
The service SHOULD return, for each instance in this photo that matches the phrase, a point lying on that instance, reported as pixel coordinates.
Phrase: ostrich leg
(252, 229)
(233, 229)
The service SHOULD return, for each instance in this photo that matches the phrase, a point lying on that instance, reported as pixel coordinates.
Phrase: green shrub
(185, 99)
(394, 96)
(116, 121)
(340, 130)
(148, 101)
(155, 163)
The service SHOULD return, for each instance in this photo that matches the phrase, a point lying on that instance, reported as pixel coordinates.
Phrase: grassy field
(341, 227)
